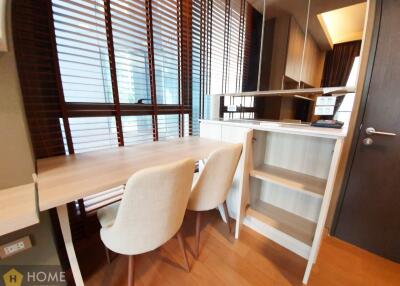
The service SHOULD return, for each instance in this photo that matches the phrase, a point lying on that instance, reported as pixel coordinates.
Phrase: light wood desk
(63, 179)
(17, 208)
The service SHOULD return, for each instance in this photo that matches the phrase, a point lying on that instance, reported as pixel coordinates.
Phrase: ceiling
(298, 8)
(344, 24)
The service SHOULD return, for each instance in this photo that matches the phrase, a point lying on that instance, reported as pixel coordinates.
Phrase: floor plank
(251, 260)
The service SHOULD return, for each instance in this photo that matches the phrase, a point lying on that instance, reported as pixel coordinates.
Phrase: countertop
(304, 129)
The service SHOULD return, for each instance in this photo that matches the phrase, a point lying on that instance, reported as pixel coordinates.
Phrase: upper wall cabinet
(283, 44)
(310, 44)
(313, 64)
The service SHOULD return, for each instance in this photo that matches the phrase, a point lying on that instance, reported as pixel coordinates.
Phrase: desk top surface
(17, 208)
(63, 179)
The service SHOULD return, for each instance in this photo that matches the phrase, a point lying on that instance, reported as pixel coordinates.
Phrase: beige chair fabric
(151, 210)
(215, 180)
(107, 214)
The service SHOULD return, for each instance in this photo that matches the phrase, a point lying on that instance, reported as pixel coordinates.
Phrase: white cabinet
(210, 131)
(233, 134)
(284, 181)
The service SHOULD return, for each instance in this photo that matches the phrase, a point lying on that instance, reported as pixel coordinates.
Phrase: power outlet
(324, 110)
(232, 108)
(326, 100)
(8, 250)
(14, 247)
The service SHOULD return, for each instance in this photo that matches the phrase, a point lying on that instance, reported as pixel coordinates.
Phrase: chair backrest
(152, 208)
(215, 180)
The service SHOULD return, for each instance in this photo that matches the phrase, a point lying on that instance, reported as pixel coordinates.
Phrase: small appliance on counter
(328, 123)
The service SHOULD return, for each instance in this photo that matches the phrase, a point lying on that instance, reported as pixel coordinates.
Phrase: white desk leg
(62, 213)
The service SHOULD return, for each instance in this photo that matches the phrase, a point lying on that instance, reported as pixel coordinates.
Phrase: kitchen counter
(282, 127)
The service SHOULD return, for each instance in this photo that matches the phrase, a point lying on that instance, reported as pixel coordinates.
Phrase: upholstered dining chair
(150, 213)
(211, 188)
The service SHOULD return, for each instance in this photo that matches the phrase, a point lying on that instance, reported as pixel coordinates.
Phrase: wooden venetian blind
(223, 44)
(104, 73)
(34, 49)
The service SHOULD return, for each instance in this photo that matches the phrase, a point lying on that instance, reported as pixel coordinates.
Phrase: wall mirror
(285, 26)
(321, 49)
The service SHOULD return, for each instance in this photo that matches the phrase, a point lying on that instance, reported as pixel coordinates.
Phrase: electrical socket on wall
(14, 247)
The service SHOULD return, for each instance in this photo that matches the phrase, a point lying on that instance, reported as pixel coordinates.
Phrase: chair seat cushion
(107, 214)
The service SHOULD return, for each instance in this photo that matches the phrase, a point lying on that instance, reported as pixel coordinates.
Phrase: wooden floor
(251, 260)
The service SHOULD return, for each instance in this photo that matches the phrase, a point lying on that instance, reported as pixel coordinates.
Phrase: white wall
(17, 161)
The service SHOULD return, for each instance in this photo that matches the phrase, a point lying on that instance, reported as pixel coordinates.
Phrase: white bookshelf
(293, 225)
(285, 181)
(310, 185)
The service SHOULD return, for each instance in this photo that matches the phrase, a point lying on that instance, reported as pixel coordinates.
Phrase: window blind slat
(166, 60)
(82, 41)
(131, 55)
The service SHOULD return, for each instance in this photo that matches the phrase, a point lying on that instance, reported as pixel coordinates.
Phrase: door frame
(360, 116)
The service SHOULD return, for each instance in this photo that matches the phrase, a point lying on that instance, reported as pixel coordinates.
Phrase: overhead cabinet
(294, 58)
(291, 60)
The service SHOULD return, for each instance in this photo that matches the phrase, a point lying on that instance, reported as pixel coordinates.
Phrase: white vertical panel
(293, 201)
(304, 154)
(234, 134)
(210, 131)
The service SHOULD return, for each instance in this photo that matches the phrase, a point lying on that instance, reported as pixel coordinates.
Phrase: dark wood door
(369, 214)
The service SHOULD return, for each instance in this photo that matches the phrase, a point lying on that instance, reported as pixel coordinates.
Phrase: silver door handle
(372, 131)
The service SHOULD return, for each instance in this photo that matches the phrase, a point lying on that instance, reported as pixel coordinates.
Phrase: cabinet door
(313, 64)
(295, 51)
(234, 134)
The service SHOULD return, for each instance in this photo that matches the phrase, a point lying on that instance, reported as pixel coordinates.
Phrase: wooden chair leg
(198, 218)
(183, 249)
(228, 219)
(131, 270)
(107, 254)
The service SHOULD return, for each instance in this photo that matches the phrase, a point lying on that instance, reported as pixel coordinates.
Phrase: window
(166, 52)
(224, 39)
(122, 66)
(82, 51)
(117, 65)
(131, 51)
(137, 129)
(93, 133)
